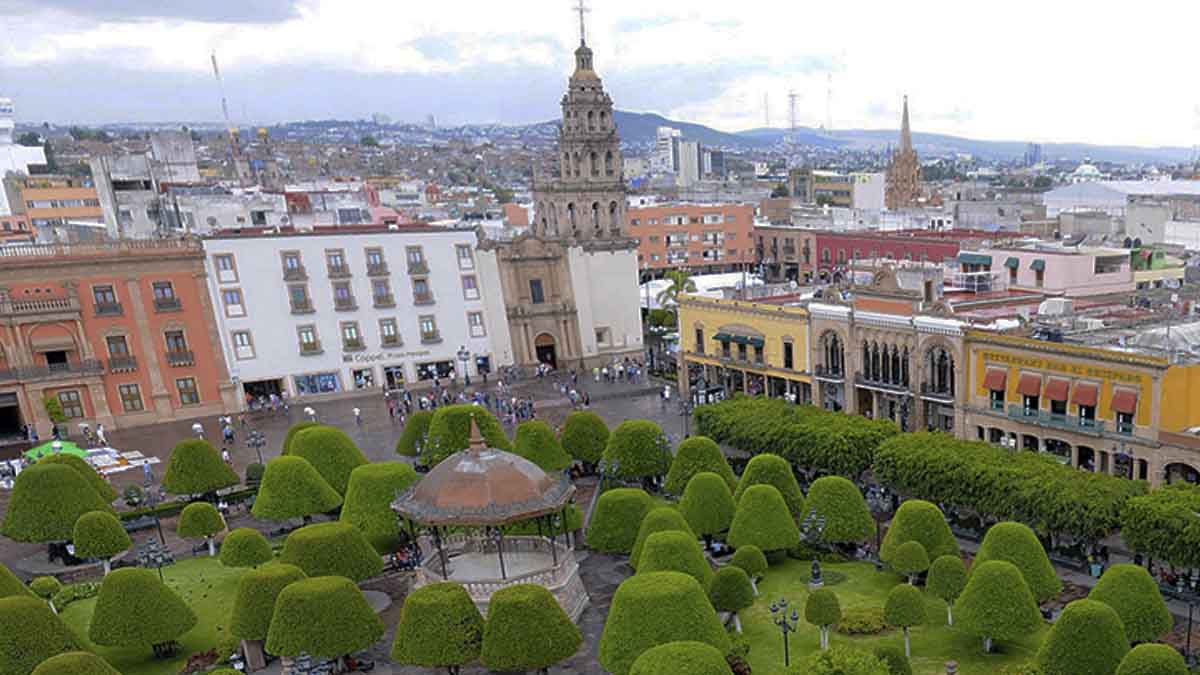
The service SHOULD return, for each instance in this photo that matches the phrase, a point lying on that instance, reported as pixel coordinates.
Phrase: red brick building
(704, 238)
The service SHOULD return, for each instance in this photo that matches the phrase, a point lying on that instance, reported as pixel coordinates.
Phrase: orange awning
(1125, 401)
(996, 379)
(1057, 390)
(1029, 384)
(1085, 394)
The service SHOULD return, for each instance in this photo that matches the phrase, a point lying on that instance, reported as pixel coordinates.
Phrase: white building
(13, 158)
(316, 313)
(665, 159)
(1112, 196)
(688, 166)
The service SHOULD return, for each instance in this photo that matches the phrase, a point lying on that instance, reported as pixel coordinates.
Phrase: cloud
(209, 11)
(634, 25)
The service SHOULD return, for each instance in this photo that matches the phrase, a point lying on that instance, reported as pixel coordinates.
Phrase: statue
(816, 581)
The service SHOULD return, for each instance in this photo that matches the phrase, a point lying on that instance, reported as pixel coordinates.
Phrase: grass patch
(207, 587)
(932, 644)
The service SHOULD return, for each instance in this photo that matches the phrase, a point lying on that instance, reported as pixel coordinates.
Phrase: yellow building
(752, 346)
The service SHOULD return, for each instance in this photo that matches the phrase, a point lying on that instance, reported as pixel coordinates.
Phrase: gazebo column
(437, 541)
(553, 538)
(500, 551)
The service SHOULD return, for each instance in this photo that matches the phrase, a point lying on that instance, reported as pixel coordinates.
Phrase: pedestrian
(198, 429)
(227, 432)
(100, 436)
(358, 416)
(226, 456)
(147, 473)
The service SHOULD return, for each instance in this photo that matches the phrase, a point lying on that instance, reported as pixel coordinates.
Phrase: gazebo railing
(552, 576)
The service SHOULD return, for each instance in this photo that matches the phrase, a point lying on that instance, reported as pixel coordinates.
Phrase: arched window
(608, 163)
(904, 368)
(885, 365)
(595, 164)
(614, 216)
(603, 119)
(571, 214)
(595, 215)
(566, 165)
(578, 166)
(591, 120)
(866, 360)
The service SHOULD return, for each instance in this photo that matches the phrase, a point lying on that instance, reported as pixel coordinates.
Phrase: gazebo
(462, 507)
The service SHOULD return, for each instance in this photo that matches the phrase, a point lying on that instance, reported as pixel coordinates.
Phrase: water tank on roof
(1056, 307)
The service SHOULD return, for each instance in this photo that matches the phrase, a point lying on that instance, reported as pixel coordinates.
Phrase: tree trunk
(737, 622)
(212, 547)
(107, 566)
(987, 645)
(949, 614)
(907, 646)
(52, 607)
(754, 585)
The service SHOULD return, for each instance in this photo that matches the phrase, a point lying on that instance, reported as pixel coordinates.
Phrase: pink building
(1053, 270)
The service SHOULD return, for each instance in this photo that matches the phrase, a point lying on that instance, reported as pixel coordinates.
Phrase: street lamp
(257, 441)
(464, 355)
(787, 624)
(685, 410)
(154, 555)
(811, 529)
(609, 471)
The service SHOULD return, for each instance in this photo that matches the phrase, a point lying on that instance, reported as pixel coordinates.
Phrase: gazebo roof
(483, 486)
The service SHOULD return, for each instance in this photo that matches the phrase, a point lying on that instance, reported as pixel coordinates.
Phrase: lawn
(208, 588)
(932, 644)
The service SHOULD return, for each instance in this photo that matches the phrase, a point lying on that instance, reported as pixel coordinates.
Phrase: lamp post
(257, 441)
(464, 355)
(685, 411)
(879, 503)
(608, 472)
(811, 529)
(154, 555)
(787, 624)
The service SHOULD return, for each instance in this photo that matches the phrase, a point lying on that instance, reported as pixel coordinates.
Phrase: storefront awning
(1057, 390)
(722, 337)
(1125, 401)
(741, 339)
(1038, 265)
(1012, 263)
(996, 379)
(974, 259)
(1085, 393)
(756, 342)
(1029, 384)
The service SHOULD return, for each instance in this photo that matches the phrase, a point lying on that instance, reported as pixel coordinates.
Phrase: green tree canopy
(10, 585)
(325, 617)
(30, 633)
(292, 488)
(640, 449)
(1087, 638)
(1133, 594)
(905, 608)
(296, 428)
(196, 468)
(1017, 544)
(730, 590)
(675, 551)
(440, 627)
(823, 610)
(1152, 659)
(75, 663)
(996, 603)
(245, 547)
(697, 454)
(526, 629)
(412, 439)
(707, 505)
(680, 281)
(135, 609)
(1160, 524)
(450, 431)
(199, 519)
(751, 559)
(840, 660)
(369, 497)
(762, 519)
(536, 442)
(910, 559)
(920, 521)
(331, 453)
(98, 534)
(768, 469)
(839, 502)
(614, 525)
(331, 549)
(584, 435)
(681, 658)
(254, 603)
(45, 587)
(45, 502)
(106, 491)
(661, 519)
(947, 578)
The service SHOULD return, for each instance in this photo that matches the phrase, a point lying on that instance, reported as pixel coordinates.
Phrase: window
(350, 336)
(421, 294)
(381, 291)
(1058, 407)
(429, 331)
(106, 300)
(475, 324)
(787, 355)
(298, 295)
(416, 260)
(389, 335)
(308, 339)
(1012, 276)
(71, 404)
(699, 340)
(1039, 278)
(232, 297)
(602, 336)
(825, 255)
(470, 287)
(465, 260)
(1087, 415)
(741, 352)
(343, 298)
(536, 295)
(319, 383)
(335, 261)
(374, 258)
(226, 270)
(725, 349)
(349, 216)
(188, 394)
(758, 354)
(163, 290)
(1031, 404)
(1124, 423)
(176, 342)
(258, 218)
(131, 397)
(117, 346)
(292, 267)
(243, 344)
(996, 396)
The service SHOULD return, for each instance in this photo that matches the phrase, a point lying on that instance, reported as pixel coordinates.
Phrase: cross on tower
(582, 9)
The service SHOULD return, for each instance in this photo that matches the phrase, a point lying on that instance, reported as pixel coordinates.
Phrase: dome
(483, 486)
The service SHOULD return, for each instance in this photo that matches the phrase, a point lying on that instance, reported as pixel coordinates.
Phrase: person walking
(103, 440)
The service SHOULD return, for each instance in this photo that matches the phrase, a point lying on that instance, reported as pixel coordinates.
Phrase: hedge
(640, 449)
(135, 609)
(450, 431)
(910, 559)
(999, 484)
(75, 663)
(45, 502)
(10, 585)
(331, 452)
(106, 491)
(821, 440)
(440, 627)
(839, 502)
(767, 469)
(195, 468)
(584, 435)
(368, 504)
(1160, 524)
(286, 447)
(695, 455)
(763, 520)
(45, 587)
(661, 519)
(324, 617)
(199, 519)
(707, 505)
(331, 549)
(174, 507)
(292, 488)
(245, 547)
(895, 659)
(1151, 659)
(614, 524)
(536, 442)
(840, 660)
(996, 603)
(923, 522)
(751, 559)
(1017, 544)
(526, 629)
(648, 610)
(98, 534)
(681, 658)
(904, 608)
(946, 580)
(730, 589)
(30, 633)
(1087, 638)
(412, 439)
(675, 551)
(1134, 596)
(254, 603)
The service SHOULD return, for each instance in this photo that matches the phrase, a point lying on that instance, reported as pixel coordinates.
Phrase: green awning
(722, 337)
(974, 259)
(46, 449)
(1038, 265)
(1012, 263)
(756, 342)
(741, 339)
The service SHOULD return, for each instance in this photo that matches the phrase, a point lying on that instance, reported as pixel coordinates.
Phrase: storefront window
(483, 364)
(393, 376)
(317, 383)
(364, 378)
(438, 369)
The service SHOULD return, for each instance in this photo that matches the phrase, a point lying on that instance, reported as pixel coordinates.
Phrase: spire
(476, 443)
(582, 9)
(906, 145)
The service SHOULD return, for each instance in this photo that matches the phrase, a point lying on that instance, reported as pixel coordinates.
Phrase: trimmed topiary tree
(412, 439)
(920, 521)
(648, 610)
(910, 560)
(135, 609)
(661, 519)
(536, 442)
(905, 608)
(440, 627)
(1087, 638)
(10, 585)
(730, 591)
(895, 659)
(526, 629)
(640, 448)
(201, 520)
(768, 469)
(840, 660)
(245, 547)
(450, 431)
(1134, 596)
(675, 551)
(752, 561)
(946, 580)
(331, 453)
(45, 502)
(1017, 544)
(681, 658)
(368, 504)
(331, 549)
(45, 588)
(847, 518)
(255, 600)
(196, 468)
(1152, 659)
(75, 663)
(98, 534)
(762, 519)
(698, 454)
(996, 603)
(324, 617)
(823, 610)
(613, 526)
(707, 505)
(29, 634)
(286, 447)
(292, 488)
(93, 477)
(584, 436)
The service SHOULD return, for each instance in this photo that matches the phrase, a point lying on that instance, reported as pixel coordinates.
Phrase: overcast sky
(1050, 70)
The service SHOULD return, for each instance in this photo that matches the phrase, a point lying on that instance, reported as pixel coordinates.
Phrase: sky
(1044, 71)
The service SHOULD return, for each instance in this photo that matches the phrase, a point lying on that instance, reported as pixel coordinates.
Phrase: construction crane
(232, 130)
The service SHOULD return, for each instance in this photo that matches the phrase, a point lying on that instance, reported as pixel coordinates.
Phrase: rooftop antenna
(230, 129)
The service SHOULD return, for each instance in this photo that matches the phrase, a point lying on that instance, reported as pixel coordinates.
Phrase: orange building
(14, 229)
(704, 238)
(119, 333)
(54, 200)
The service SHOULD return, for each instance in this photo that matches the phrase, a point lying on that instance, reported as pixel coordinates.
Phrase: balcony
(822, 372)
(109, 309)
(36, 307)
(339, 272)
(181, 358)
(302, 307)
(71, 369)
(861, 380)
(418, 267)
(941, 395)
(122, 364)
(311, 348)
(431, 338)
(355, 345)
(377, 269)
(297, 273)
(1046, 418)
(344, 304)
(385, 300)
(422, 298)
(167, 305)
(391, 341)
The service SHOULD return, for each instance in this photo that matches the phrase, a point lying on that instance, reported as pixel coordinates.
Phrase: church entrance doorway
(543, 347)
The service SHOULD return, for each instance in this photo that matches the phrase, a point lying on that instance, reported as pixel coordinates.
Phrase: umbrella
(49, 449)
